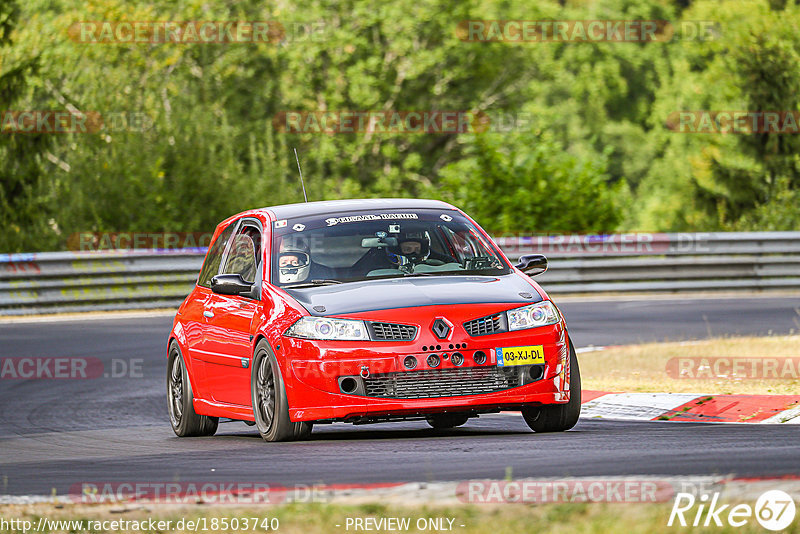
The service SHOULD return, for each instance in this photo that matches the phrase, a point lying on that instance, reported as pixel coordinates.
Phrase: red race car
(365, 311)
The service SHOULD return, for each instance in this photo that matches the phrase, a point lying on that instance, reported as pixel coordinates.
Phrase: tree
(23, 203)
(526, 183)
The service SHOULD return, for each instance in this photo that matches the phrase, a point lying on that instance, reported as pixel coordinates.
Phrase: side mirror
(230, 284)
(532, 264)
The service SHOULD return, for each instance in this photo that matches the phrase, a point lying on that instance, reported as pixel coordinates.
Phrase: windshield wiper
(398, 274)
(313, 283)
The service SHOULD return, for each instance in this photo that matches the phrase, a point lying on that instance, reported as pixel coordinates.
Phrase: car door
(194, 319)
(228, 348)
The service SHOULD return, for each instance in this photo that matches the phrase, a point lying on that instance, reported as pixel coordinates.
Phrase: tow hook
(364, 371)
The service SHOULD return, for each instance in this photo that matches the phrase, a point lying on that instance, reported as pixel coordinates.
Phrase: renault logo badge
(440, 328)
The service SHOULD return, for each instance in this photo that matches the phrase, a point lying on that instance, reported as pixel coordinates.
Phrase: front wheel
(184, 420)
(558, 417)
(270, 407)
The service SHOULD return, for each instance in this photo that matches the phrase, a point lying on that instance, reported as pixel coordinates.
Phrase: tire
(442, 421)
(268, 395)
(558, 417)
(184, 420)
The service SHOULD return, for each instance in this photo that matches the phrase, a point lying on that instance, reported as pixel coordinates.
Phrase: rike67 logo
(774, 510)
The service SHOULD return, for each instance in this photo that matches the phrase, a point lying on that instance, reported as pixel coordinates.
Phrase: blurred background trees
(597, 156)
(25, 204)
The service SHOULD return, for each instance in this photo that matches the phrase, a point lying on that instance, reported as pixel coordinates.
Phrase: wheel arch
(284, 364)
(262, 336)
(187, 362)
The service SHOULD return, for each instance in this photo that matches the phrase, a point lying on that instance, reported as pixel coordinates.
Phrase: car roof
(289, 211)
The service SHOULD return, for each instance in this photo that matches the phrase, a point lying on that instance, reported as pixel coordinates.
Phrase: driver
(294, 261)
(414, 246)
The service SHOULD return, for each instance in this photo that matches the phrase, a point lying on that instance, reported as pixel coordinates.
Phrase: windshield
(364, 245)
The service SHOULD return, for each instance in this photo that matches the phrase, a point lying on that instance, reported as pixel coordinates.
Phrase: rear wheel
(442, 421)
(558, 417)
(184, 420)
(270, 407)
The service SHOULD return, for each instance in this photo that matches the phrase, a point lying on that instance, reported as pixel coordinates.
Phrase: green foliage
(727, 181)
(538, 186)
(598, 157)
(23, 199)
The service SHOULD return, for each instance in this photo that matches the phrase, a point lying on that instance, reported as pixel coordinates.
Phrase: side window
(214, 257)
(244, 256)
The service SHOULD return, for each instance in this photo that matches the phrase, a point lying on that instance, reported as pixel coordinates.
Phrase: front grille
(392, 332)
(484, 325)
(442, 383)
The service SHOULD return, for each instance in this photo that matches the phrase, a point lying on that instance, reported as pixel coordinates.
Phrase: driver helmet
(294, 260)
(414, 246)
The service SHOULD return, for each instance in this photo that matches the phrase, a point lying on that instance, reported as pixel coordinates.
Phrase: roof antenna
(301, 175)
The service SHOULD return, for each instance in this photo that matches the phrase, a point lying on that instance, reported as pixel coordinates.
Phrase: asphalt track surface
(58, 433)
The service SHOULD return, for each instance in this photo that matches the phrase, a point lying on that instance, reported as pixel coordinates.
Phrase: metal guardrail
(57, 282)
(678, 262)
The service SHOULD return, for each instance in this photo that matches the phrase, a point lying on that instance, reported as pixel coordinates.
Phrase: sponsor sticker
(332, 221)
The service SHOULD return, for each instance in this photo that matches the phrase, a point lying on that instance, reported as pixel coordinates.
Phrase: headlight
(323, 328)
(539, 314)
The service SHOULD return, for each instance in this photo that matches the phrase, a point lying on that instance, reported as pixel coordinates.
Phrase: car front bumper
(313, 369)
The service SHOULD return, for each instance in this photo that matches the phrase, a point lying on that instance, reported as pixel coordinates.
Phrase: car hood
(371, 295)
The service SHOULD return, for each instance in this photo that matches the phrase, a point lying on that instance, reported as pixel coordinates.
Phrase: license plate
(529, 355)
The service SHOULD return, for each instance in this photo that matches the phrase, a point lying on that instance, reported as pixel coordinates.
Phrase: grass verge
(330, 518)
(648, 367)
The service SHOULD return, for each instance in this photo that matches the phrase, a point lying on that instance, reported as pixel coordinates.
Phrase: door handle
(209, 314)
